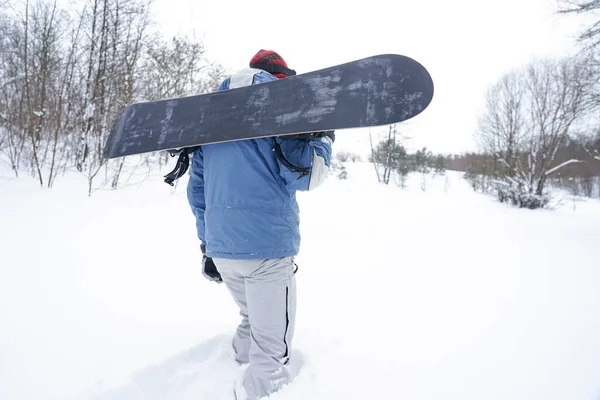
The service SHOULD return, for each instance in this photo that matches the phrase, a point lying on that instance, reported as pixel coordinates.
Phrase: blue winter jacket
(244, 197)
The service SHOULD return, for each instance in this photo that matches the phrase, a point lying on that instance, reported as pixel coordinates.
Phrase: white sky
(465, 44)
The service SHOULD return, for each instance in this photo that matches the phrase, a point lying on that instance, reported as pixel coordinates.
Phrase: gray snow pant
(265, 291)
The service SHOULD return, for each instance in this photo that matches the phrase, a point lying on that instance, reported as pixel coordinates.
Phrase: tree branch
(559, 166)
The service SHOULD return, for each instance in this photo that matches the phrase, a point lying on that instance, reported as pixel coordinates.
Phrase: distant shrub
(345, 156)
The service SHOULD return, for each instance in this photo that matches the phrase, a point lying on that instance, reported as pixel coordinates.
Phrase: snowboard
(374, 91)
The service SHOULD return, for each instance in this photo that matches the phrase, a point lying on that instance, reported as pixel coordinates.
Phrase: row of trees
(391, 159)
(66, 74)
(581, 178)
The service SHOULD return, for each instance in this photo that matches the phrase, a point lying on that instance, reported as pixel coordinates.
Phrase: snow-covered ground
(402, 294)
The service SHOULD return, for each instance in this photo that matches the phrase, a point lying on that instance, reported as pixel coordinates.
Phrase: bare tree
(31, 64)
(65, 75)
(116, 33)
(29, 97)
(589, 39)
(11, 78)
(387, 154)
(528, 117)
(502, 126)
(63, 109)
(558, 97)
(591, 35)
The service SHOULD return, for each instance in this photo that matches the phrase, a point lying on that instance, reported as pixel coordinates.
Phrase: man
(243, 195)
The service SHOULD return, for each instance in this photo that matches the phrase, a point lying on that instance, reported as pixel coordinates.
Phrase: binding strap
(182, 165)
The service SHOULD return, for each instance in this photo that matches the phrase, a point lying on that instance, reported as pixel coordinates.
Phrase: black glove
(209, 269)
(330, 134)
(311, 136)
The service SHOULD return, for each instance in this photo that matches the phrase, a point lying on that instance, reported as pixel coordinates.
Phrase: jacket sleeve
(195, 192)
(303, 164)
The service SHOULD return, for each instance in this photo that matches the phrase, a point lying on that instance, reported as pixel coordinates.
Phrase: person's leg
(270, 307)
(234, 280)
(271, 300)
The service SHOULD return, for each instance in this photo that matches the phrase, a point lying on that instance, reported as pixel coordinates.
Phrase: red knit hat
(273, 63)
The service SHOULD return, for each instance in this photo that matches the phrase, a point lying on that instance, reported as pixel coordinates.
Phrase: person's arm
(304, 160)
(196, 198)
(195, 192)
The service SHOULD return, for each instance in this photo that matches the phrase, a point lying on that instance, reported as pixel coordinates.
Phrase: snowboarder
(243, 195)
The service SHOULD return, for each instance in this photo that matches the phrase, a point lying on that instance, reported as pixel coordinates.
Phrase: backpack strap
(182, 164)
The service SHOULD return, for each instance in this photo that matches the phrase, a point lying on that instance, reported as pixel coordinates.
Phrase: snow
(402, 294)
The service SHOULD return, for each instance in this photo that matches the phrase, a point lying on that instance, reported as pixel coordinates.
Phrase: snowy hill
(402, 294)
